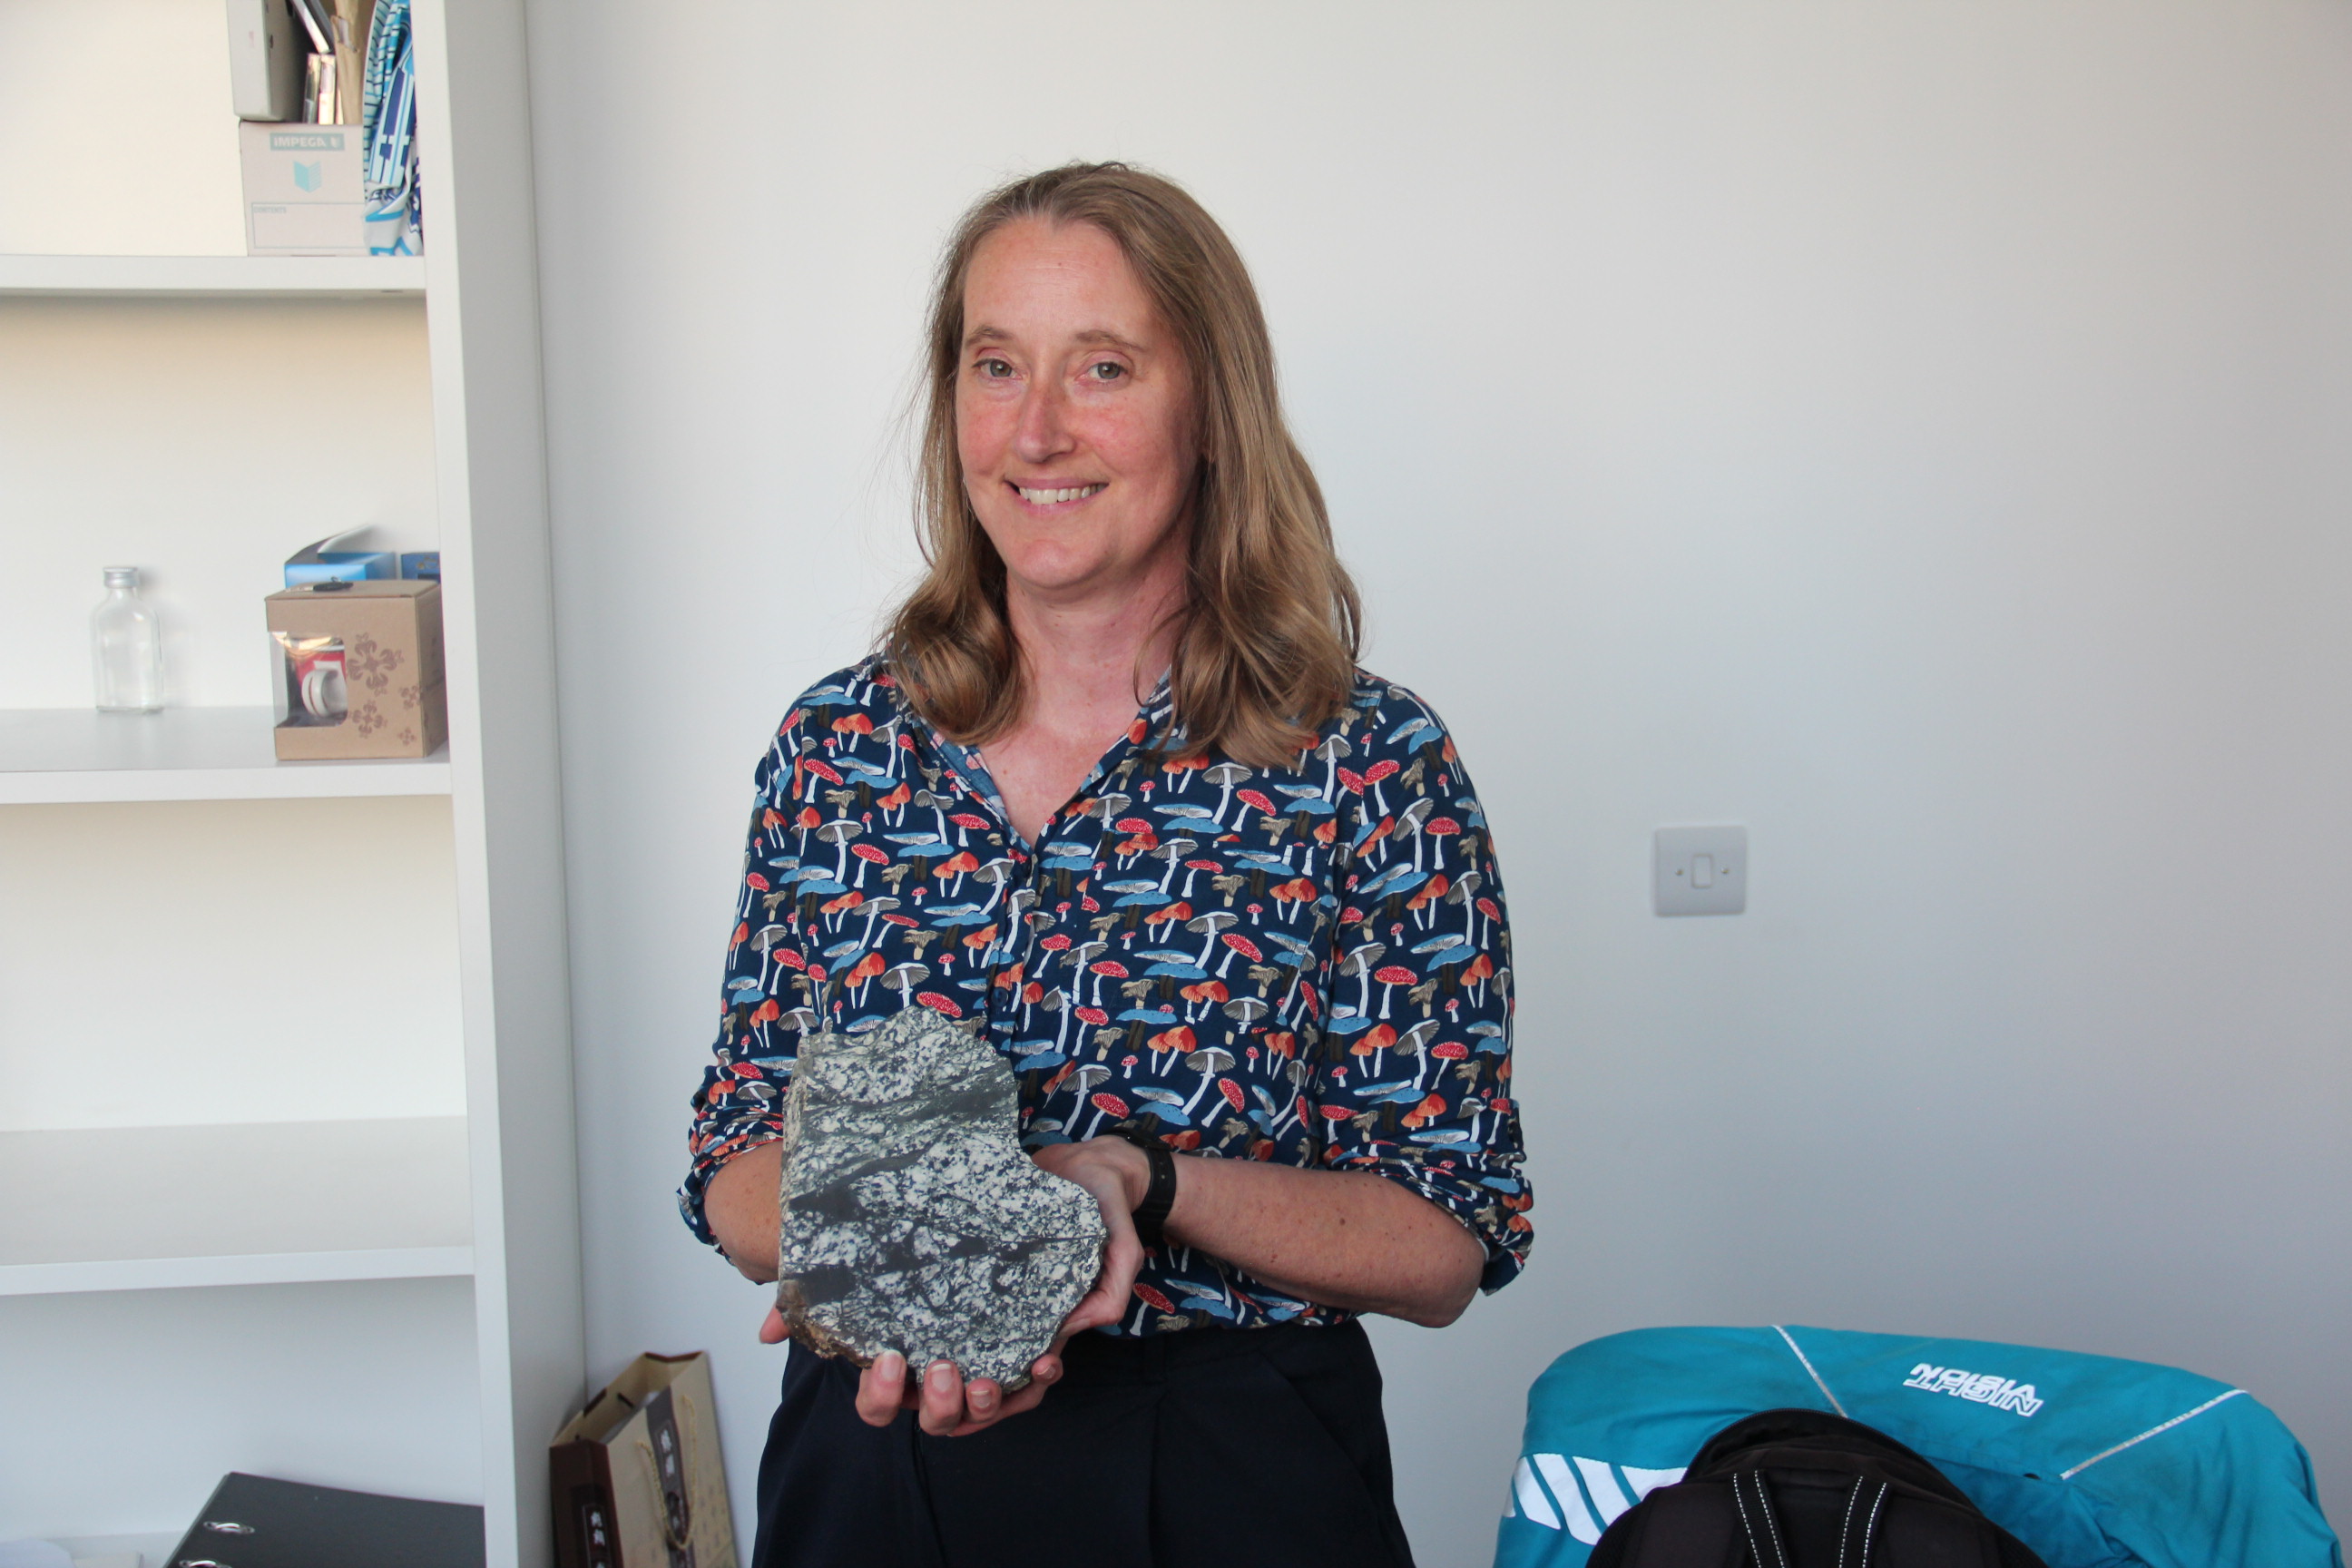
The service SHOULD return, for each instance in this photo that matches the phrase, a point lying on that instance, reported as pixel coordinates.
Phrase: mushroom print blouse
(1310, 965)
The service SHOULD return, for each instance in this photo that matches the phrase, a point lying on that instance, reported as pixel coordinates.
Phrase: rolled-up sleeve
(739, 1105)
(1413, 1078)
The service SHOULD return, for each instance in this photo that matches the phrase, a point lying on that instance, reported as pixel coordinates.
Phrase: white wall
(1914, 431)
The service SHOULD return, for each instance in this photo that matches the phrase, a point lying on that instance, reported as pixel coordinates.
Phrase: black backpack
(1803, 1489)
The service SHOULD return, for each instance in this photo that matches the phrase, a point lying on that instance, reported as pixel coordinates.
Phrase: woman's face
(1073, 416)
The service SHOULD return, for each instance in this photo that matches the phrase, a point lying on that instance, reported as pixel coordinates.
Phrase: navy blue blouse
(1309, 964)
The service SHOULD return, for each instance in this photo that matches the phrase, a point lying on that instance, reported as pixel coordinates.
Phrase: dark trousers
(1237, 1448)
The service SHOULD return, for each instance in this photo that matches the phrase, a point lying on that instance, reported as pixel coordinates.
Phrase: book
(252, 1522)
(265, 61)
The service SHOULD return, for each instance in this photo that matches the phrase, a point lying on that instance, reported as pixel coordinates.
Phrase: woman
(1115, 792)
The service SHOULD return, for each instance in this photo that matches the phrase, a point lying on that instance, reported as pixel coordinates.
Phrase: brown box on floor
(360, 670)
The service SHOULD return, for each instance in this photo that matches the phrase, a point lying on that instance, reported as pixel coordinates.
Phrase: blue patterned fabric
(1310, 965)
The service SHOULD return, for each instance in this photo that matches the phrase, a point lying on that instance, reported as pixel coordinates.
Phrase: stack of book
(345, 184)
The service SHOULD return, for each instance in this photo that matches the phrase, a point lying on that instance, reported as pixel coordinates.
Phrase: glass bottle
(126, 647)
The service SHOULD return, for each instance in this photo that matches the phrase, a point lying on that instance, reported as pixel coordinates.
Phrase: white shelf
(275, 1202)
(63, 755)
(168, 275)
(154, 1550)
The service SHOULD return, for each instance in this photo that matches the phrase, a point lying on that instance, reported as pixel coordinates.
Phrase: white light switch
(1700, 870)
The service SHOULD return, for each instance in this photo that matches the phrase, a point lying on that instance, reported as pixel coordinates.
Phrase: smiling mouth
(1054, 498)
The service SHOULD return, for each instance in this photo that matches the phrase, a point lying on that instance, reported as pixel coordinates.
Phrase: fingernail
(891, 1364)
(942, 1376)
(983, 1398)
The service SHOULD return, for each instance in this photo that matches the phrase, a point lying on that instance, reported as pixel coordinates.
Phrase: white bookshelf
(63, 755)
(136, 1208)
(375, 1298)
(252, 276)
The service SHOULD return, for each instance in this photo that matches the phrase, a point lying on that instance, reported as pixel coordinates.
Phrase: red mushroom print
(1180, 772)
(863, 973)
(1492, 910)
(754, 879)
(965, 822)
(1106, 969)
(1443, 1051)
(1232, 1091)
(1291, 897)
(1374, 1043)
(1475, 975)
(939, 1003)
(1238, 945)
(817, 768)
(1104, 1105)
(1177, 1040)
(958, 865)
(867, 856)
(1391, 976)
(809, 819)
(1427, 1111)
(1441, 828)
(1352, 781)
(742, 933)
(1256, 800)
(1384, 769)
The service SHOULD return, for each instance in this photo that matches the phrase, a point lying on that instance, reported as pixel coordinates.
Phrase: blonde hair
(1266, 649)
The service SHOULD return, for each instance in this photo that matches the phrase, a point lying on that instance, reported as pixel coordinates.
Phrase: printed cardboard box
(359, 672)
(304, 189)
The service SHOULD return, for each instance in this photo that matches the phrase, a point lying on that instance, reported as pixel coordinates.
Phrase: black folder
(252, 1522)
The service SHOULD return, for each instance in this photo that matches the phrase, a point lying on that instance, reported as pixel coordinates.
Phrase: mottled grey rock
(913, 1220)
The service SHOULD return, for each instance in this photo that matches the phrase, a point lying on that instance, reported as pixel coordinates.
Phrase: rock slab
(913, 1220)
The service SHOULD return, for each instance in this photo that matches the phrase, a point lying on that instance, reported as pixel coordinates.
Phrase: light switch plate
(1700, 870)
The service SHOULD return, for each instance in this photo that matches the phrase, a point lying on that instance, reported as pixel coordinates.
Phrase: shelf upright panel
(482, 316)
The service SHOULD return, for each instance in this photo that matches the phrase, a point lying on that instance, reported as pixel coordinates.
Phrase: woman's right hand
(1117, 1175)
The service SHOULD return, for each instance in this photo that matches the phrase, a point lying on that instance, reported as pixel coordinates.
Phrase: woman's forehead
(1067, 282)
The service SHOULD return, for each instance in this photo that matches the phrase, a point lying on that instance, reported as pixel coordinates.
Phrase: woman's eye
(1106, 371)
(996, 368)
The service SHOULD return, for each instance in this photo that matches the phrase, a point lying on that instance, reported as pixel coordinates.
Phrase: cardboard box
(636, 1478)
(304, 189)
(360, 670)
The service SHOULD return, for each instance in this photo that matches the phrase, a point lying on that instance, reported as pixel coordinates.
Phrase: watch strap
(1160, 1196)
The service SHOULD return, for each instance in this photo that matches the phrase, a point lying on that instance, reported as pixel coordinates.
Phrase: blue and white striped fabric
(2092, 1461)
(396, 210)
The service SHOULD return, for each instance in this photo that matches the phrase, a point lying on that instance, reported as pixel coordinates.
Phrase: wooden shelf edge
(249, 1269)
(164, 277)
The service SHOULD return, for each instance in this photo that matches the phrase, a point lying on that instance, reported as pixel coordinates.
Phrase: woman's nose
(1043, 432)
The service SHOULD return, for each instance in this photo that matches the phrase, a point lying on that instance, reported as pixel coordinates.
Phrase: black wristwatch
(1161, 1195)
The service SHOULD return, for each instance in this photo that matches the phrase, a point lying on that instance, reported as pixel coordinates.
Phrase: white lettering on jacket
(1978, 1387)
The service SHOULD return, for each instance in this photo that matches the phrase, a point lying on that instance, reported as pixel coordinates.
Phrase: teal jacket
(2092, 1461)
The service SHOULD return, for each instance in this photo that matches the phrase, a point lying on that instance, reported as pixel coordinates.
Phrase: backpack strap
(1863, 1505)
(1764, 1542)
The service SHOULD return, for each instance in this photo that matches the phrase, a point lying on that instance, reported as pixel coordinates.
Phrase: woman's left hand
(945, 1406)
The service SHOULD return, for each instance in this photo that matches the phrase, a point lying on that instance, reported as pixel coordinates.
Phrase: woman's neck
(1092, 653)
(1084, 657)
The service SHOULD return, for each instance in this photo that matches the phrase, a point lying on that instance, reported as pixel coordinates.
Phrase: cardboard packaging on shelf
(360, 670)
(304, 189)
